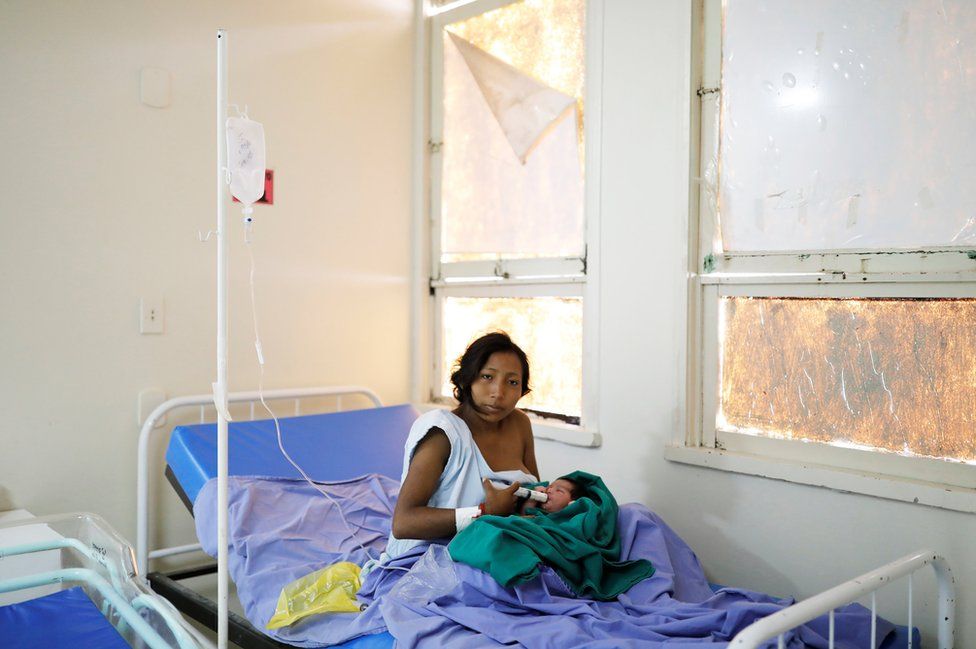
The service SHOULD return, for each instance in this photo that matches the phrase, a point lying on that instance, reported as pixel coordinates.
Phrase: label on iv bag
(245, 159)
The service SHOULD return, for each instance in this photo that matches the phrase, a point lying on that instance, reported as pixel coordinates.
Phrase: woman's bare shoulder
(434, 437)
(432, 450)
(521, 422)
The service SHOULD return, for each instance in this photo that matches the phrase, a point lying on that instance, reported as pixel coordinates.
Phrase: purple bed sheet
(280, 530)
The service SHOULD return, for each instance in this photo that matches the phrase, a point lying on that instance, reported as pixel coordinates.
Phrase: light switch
(151, 315)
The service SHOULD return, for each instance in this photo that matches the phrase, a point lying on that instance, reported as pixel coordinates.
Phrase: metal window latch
(707, 91)
(434, 147)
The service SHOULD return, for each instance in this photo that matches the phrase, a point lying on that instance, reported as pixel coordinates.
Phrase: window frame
(533, 277)
(946, 271)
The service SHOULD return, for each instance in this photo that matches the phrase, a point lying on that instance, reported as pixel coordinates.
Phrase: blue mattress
(67, 618)
(332, 446)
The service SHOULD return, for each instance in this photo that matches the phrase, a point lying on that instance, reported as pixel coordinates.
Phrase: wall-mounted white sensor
(155, 87)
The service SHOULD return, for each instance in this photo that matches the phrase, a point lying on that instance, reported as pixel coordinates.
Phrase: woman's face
(498, 387)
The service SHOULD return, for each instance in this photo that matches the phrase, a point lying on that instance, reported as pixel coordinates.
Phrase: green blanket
(580, 542)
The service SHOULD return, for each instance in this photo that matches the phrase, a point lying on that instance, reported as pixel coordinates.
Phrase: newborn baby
(562, 492)
(579, 542)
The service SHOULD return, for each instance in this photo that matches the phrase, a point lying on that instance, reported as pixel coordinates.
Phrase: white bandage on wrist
(463, 516)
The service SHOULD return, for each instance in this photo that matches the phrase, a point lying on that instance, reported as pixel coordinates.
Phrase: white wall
(103, 197)
(751, 532)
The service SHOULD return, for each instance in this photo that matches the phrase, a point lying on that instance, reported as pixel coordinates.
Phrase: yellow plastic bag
(329, 590)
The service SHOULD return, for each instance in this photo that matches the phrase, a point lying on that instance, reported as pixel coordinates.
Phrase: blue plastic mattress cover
(331, 446)
(67, 618)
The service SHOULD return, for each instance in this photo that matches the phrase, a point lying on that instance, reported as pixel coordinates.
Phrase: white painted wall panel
(103, 197)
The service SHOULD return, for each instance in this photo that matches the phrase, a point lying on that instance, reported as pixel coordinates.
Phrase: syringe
(531, 494)
(522, 492)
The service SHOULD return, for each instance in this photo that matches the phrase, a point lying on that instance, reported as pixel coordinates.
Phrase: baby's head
(561, 493)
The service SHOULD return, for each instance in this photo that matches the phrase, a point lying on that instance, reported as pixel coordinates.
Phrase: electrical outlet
(151, 315)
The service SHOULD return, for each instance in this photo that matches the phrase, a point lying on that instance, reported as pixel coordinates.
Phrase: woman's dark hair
(468, 367)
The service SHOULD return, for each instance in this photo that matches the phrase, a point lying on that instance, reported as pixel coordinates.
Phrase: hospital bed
(70, 581)
(339, 446)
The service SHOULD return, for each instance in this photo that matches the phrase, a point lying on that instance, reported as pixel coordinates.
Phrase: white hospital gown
(460, 484)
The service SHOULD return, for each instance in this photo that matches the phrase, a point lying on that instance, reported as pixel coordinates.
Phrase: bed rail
(81, 548)
(775, 625)
(203, 401)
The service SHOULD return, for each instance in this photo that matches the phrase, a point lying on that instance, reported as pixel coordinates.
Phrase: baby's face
(560, 494)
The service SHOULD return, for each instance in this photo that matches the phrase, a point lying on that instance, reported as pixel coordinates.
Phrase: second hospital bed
(340, 448)
(69, 580)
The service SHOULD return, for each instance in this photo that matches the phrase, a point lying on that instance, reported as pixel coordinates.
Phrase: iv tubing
(281, 444)
(220, 387)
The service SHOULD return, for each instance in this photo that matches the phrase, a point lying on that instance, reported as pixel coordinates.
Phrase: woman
(451, 456)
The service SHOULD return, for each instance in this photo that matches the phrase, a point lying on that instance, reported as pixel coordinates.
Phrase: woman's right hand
(499, 502)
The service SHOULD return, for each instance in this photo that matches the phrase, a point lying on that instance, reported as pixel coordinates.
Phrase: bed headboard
(351, 433)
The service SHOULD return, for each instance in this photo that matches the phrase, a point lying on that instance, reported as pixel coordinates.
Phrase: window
(836, 296)
(544, 325)
(880, 373)
(509, 188)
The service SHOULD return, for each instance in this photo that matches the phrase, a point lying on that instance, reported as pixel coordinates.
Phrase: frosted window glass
(512, 182)
(548, 329)
(848, 124)
(542, 38)
(891, 374)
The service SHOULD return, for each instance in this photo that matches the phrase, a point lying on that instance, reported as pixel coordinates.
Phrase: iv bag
(245, 159)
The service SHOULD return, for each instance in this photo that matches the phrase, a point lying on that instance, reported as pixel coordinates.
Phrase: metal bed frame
(244, 634)
(775, 625)
(200, 608)
(103, 564)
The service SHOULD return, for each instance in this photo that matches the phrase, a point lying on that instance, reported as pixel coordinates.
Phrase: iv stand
(220, 387)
